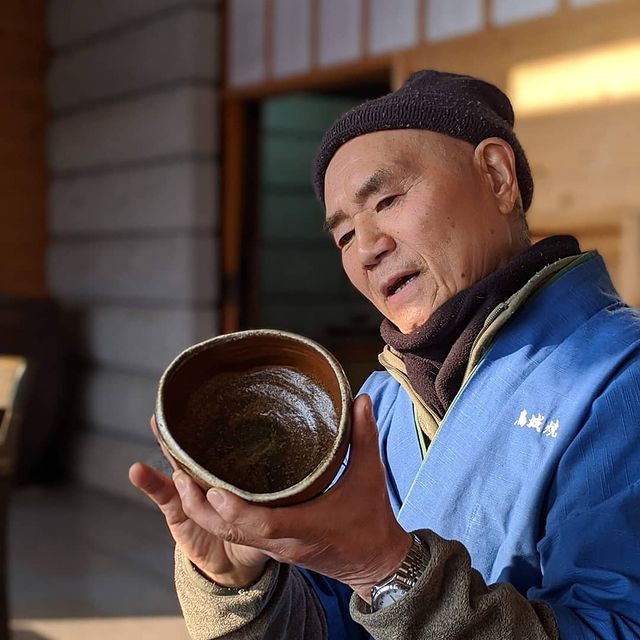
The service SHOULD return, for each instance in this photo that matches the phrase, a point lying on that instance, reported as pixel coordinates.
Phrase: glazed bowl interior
(264, 414)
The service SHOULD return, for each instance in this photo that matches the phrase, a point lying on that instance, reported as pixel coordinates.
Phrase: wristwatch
(391, 589)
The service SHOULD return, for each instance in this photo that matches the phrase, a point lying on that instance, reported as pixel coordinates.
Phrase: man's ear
(496, 161)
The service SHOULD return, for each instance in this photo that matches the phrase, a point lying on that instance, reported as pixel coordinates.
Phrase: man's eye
(344, 239)
(385, 202)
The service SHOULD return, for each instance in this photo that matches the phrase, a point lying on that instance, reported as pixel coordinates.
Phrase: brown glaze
(262, 431)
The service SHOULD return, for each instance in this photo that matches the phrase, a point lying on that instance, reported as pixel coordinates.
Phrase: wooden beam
(239, 203)
(232, 201)
(373, 69)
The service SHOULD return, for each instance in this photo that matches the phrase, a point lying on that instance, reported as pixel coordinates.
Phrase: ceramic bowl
(264, 414)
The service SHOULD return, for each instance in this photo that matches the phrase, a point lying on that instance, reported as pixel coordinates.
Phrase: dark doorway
(298, 283)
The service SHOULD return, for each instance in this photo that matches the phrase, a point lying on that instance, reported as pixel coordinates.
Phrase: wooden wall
(23, 178)
(584, 159)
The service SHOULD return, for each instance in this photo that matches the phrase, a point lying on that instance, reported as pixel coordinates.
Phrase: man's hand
(225, 563)
(348, 533)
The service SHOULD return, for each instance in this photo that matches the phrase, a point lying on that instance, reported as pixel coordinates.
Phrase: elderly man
(493, 489)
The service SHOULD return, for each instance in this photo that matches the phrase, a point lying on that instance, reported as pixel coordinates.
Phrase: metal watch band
(414, 564)
(406, 576)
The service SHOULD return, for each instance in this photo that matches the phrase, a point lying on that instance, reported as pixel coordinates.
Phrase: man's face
(417, 216)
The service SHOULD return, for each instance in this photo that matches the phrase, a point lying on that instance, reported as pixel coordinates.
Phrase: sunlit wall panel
(291, 32)
(584, 3)
(247, 30)
(339, 36)
(507, 11)
(451, 18)
(393, 25)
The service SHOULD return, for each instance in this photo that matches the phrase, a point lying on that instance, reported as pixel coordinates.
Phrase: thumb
(364, 432)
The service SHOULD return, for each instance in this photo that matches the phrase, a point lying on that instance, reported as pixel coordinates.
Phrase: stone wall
(133, 210)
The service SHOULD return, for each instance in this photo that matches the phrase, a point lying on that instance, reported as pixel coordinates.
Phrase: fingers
(260, 523)
(228, 516)
(160, 490)
(197, 508)
(156, 485)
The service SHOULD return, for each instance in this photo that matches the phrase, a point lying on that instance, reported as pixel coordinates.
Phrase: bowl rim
(205, 477)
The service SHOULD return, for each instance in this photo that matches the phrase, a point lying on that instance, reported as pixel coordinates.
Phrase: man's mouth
(400, 283)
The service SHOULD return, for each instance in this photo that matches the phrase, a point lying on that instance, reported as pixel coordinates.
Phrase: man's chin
(409, 324)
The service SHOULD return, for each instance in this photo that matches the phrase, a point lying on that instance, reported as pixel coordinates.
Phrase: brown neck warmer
(436, 354)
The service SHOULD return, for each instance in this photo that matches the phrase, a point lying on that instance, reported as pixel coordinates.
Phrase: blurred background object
(12, 370)
(155, 191)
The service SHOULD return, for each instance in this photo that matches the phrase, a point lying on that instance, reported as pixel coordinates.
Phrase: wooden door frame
(239, 162)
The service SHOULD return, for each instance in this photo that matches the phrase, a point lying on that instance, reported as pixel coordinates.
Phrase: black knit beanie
(459, 106)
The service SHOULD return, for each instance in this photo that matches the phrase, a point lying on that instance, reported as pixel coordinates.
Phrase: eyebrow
(372, 185)
(333, 221)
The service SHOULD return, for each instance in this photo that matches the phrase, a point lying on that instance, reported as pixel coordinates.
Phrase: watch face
(388, 596)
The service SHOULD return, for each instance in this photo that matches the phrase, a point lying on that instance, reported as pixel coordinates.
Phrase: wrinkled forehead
(383, 153)
(390, 155)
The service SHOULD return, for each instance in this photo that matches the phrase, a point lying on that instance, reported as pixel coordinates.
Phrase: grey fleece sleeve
(281, 605)
(452, 602)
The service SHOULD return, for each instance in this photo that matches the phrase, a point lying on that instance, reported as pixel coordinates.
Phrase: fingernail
(180, 482)
(215, 498)
(370, 407)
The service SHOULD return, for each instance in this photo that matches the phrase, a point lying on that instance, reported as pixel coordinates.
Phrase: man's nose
(373, 245)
